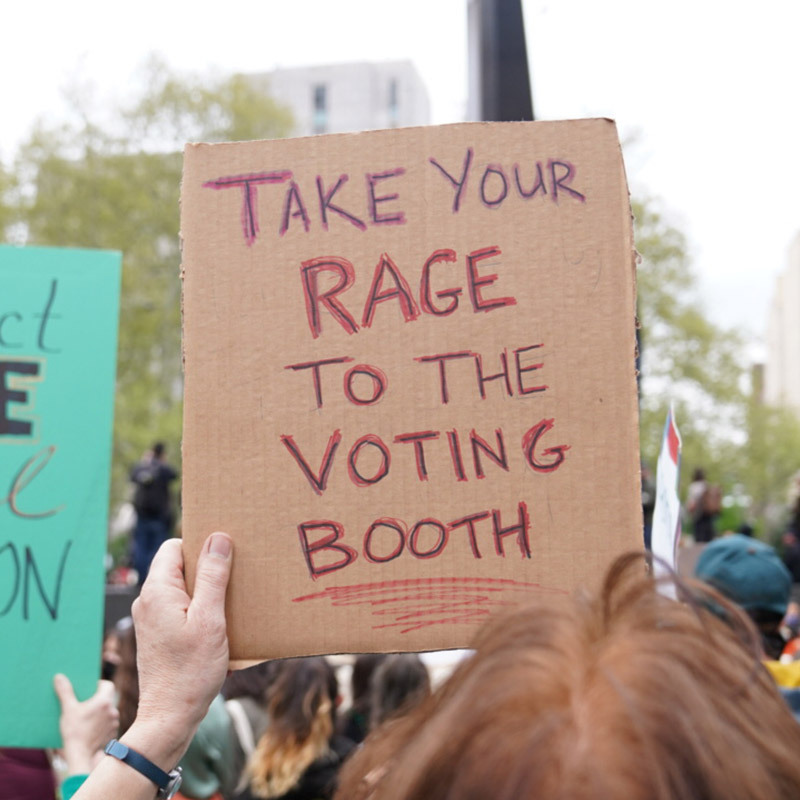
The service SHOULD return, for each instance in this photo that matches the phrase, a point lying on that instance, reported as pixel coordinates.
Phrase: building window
(320, 119)
(393, 104)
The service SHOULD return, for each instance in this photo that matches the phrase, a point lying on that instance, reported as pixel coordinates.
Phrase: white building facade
(341, 98)
(782, 370)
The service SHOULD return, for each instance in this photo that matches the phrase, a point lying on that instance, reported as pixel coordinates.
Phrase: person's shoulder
(168, 472)
(216, 724)
(217, 713)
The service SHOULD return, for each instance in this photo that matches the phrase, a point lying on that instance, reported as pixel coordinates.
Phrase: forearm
(182, 659)
(111, 778)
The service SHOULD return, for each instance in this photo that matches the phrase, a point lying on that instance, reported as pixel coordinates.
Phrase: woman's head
(625, 694)
(399, 684)
(361, 680)
(301, 703)
(303, 690)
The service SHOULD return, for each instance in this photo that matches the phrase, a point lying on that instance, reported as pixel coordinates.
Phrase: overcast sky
(709, 90)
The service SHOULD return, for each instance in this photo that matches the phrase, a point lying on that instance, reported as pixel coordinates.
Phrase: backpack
(148, 497)
(711, 501)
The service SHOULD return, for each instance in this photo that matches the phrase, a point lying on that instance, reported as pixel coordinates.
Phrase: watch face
(171, 789)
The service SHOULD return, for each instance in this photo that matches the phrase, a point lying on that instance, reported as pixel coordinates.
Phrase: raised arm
(182, 659)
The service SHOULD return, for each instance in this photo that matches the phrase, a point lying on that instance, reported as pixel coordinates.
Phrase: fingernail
(220, 545)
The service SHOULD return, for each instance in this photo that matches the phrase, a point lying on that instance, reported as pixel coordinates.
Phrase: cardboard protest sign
(410, 387)
(58, 335)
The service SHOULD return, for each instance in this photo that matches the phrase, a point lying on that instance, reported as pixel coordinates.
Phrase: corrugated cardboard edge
(636, 259)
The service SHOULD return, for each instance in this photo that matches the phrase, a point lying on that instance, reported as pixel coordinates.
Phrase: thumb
(213, 572)
(105, 692)
(63, 687)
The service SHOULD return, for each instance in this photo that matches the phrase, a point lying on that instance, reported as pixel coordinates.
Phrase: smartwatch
(168, 783)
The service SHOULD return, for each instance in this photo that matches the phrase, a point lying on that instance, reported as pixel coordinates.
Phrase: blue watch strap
(139, 763)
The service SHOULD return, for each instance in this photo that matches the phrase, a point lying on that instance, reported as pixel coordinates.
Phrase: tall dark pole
(500, 77)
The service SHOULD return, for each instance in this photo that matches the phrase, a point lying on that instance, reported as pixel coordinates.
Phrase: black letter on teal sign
(9, 426)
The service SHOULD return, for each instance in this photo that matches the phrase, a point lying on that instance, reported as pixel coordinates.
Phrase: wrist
(162, 743)
(79, 760)
(146, 771)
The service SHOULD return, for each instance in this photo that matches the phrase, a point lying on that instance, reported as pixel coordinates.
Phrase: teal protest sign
(58, 341)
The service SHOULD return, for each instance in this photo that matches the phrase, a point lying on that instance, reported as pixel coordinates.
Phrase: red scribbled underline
(421, 602)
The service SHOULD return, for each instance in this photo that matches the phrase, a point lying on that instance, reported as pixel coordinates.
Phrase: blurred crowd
(620, 692)
(279, 729)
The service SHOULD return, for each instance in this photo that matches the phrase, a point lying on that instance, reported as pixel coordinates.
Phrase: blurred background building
(782, 369)
(340, 98)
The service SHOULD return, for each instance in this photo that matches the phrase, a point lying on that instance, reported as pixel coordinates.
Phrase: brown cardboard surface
(388, 498)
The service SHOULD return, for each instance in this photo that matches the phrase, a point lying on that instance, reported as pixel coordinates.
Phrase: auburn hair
(621, 694)
(301, 704)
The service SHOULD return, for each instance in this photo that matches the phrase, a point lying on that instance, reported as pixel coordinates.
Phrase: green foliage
(110, 178)
(750, 449)
(769, 460)
(686, 359)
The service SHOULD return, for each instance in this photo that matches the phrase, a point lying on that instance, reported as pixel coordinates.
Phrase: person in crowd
(110, 653)
(794, 517)
(623, 693)
(791, 554)
(790, 630)
(702, 505)
(354, 724)
(794, 504)
(209, 768)
(751, 574)
(245, 693)
(648, 503)
(299, 755)
(151, 477)
(126, 674)
(399, 684)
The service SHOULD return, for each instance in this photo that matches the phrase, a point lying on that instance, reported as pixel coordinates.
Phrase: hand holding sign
(182, 648)
(85, 727)
(182, 658)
